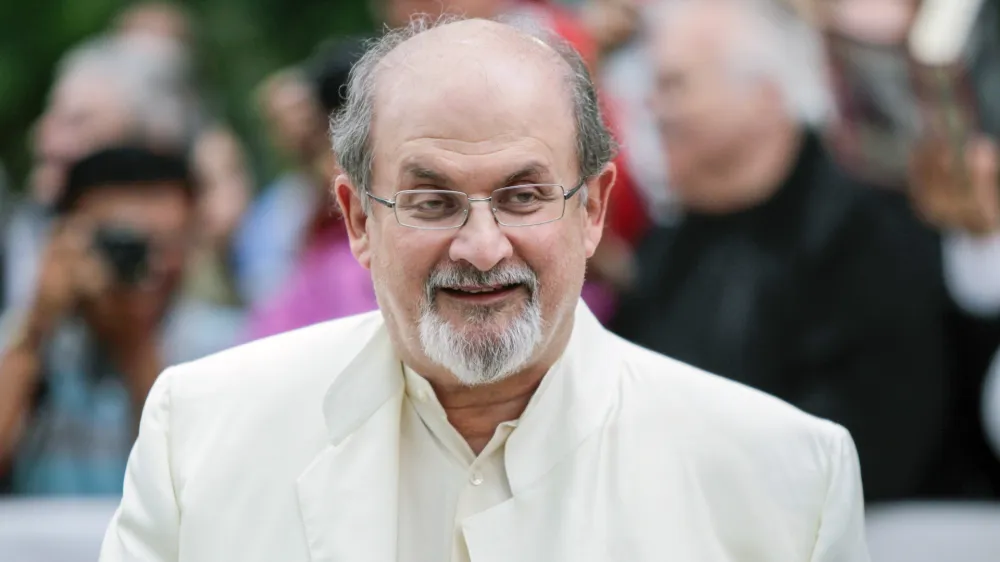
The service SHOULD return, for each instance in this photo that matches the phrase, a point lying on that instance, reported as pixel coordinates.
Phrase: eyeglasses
(518, 205)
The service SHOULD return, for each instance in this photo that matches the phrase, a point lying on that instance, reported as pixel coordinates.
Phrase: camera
(126, 251)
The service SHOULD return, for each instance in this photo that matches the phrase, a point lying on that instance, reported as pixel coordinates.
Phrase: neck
(475, 412)
(768, 161)
(751, 173)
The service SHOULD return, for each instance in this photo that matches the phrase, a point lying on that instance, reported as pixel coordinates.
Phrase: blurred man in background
(267, 241)
(104, 93)
(783, 273)
(297, 226)
(164, 29)
(78, 361)
(219, 160)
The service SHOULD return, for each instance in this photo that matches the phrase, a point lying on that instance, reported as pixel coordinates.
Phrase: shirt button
(423, 395)
(476, 479)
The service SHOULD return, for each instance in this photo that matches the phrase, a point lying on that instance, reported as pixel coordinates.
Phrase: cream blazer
(286, 450)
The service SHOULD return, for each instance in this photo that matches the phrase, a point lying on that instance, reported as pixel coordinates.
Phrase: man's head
(106, 92)
(137, 206)
(397, 13)
(289, 103)
(730, 76)
(471, 107)
(161, 19)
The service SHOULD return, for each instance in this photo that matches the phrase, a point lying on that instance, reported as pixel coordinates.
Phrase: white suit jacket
(286, 450)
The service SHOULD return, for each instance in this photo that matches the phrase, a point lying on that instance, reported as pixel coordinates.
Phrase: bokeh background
(237, 43)
(794, 212)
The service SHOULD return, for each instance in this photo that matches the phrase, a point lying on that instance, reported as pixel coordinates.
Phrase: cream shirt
(441, 481)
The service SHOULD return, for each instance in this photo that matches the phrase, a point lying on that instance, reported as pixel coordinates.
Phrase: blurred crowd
(747, 233)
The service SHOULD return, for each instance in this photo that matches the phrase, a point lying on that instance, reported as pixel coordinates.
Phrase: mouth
(481, 294)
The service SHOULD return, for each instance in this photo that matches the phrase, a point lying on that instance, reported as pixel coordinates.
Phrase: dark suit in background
(828, 295)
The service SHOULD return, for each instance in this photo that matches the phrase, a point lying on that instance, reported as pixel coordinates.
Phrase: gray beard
(476, 355)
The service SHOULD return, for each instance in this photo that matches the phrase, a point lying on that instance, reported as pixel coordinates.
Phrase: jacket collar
(348, 496)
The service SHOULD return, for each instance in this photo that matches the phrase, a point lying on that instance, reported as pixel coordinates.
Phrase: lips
(479, 290)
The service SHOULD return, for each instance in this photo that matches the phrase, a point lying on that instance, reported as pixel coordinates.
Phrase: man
(483, 413)
(321, 280)
(268, 240)
(81, 358)
(105, 93)
(285, 220)
(785, 274)
(611, 267)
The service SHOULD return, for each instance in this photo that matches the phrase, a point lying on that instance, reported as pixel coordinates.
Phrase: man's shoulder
(674, 393)
(297, 361)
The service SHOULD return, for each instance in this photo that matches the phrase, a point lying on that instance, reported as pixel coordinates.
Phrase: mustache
(461, 275)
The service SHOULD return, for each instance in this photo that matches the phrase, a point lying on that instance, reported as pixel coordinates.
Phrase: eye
(428, 203)
(526, 198)
(523, 197)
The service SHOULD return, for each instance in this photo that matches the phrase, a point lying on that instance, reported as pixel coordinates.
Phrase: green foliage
(239, 43)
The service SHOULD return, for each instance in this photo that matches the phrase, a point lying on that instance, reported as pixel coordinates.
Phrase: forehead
(474, 109)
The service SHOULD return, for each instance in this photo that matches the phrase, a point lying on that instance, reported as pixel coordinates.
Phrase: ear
(349, 201)
(599, 193)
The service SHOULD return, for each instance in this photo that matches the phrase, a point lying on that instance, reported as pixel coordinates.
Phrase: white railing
(72, 530)
(64, 530)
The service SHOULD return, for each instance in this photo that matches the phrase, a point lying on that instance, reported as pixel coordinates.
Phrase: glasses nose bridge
(488, 200)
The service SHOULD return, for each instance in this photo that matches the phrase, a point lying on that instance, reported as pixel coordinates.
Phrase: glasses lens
(431, 208)
(525, 205)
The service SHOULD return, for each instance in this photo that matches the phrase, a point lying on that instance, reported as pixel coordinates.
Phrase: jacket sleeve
(841, 536)
(145, 527)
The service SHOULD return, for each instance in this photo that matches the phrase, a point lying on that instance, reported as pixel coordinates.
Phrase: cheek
(557, 257)
(400, 263)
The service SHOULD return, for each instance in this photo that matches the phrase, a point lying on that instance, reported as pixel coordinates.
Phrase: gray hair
(778, 46)
(152, 76)
(351, 127)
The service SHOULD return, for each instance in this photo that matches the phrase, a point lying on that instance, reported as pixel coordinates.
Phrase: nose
(481, 242)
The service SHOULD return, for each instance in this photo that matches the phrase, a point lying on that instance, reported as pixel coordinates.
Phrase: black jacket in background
(829, 296)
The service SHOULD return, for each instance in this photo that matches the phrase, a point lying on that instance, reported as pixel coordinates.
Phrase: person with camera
(77, 363)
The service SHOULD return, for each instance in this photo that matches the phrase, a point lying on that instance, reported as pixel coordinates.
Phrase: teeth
(476, 291)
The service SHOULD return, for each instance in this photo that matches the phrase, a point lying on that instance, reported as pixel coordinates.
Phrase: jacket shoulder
(707, 402)
(303, 360)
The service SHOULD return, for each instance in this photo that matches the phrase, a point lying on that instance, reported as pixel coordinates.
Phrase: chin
(484, 350)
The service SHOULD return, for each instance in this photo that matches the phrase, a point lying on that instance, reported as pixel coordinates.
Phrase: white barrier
(39, 530)
(935, 532)
(63, 530)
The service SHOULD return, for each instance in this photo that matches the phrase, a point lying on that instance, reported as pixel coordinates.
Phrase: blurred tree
(238, 43)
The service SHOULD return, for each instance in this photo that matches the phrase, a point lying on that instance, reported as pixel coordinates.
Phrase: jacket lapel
(554, 436)
(348, 494)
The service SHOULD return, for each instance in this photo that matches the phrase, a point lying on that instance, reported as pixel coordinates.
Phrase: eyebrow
(417, 171)
(532, 171)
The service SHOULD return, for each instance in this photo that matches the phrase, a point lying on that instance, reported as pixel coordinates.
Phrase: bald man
(482, 414)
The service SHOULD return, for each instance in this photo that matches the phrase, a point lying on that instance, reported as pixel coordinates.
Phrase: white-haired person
(783, 272)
